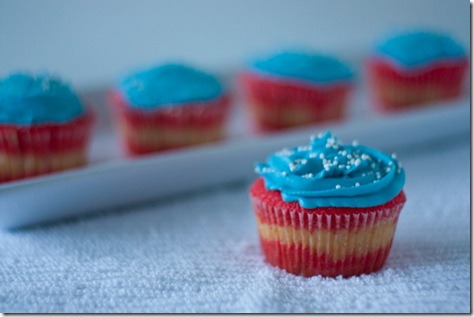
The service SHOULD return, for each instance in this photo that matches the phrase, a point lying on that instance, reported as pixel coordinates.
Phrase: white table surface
(200, 253)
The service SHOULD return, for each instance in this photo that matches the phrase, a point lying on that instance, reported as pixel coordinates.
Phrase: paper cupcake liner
(394, 88)
(276, 104)
(27, 151)
(325, 241)
(146, 131)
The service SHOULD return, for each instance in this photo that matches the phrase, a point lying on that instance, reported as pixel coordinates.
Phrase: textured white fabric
(200, 253)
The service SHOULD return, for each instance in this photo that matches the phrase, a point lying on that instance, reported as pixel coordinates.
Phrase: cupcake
(416, 68)
(294, 88)
(328, 209)
(44, 127)
(169, 106)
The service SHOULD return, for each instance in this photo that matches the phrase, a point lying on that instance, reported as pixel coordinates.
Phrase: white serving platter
(111, 181)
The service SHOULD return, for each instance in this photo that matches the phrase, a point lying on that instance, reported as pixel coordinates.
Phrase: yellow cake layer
(294, 114)
(16, 166)
(403, 93)
(336, 245)
(156, 136)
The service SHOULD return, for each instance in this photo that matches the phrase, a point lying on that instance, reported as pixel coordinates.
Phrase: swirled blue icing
(304, 66)
(27, 99)
(419, 47)
(169, 85)
(326, 173)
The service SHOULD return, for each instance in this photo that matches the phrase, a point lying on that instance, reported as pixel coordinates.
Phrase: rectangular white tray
(111, 181)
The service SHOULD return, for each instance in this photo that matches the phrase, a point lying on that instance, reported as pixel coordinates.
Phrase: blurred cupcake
(328, 209)
(295, 88)
(169, 106)
(44, 127)
(416, 68)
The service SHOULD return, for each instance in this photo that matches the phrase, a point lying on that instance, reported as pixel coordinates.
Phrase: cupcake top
(168, 85)
(419, 47)
(304, 66)
(326, 173)
(27, 99)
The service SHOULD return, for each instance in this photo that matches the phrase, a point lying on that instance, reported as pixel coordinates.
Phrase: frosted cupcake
(416, 68)
(44, 127)
(294, 88)
(169, 106)
(328, 209)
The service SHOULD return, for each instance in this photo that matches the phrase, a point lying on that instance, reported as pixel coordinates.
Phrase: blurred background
(91, 43)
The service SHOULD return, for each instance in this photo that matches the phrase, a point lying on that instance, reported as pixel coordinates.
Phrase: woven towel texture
(200, 253)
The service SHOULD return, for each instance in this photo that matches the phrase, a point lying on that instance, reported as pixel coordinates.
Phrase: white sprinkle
(390, 163)
(357, 184)
(357, 162)
(285, 152)
(321, 155)
(303, 148)
(388, 169)
(355, 143)
(304, 161)
(341, 166)
(373, 165)
(284, 173)
(309, 175)
(312, 155)
(394, 156)
(365, 157)
(338, 186)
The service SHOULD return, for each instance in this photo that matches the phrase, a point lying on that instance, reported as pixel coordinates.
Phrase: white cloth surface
(200, 253)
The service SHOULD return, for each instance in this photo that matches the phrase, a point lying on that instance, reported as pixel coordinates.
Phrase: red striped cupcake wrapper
(309, 242)
(277, 104)
(144, 131)
(394, 88)
(43, 148)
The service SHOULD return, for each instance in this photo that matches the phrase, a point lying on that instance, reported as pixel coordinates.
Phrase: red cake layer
(436, 81)
(197, 114)
(302, 261)
(46, 138)
(324, 217)
(276, 104)
(277, 92)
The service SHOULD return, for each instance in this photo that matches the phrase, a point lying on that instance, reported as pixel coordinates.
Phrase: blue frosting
(303, 66)
(418, 48)
(27, 99)
(169, 84)
(326, 173)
